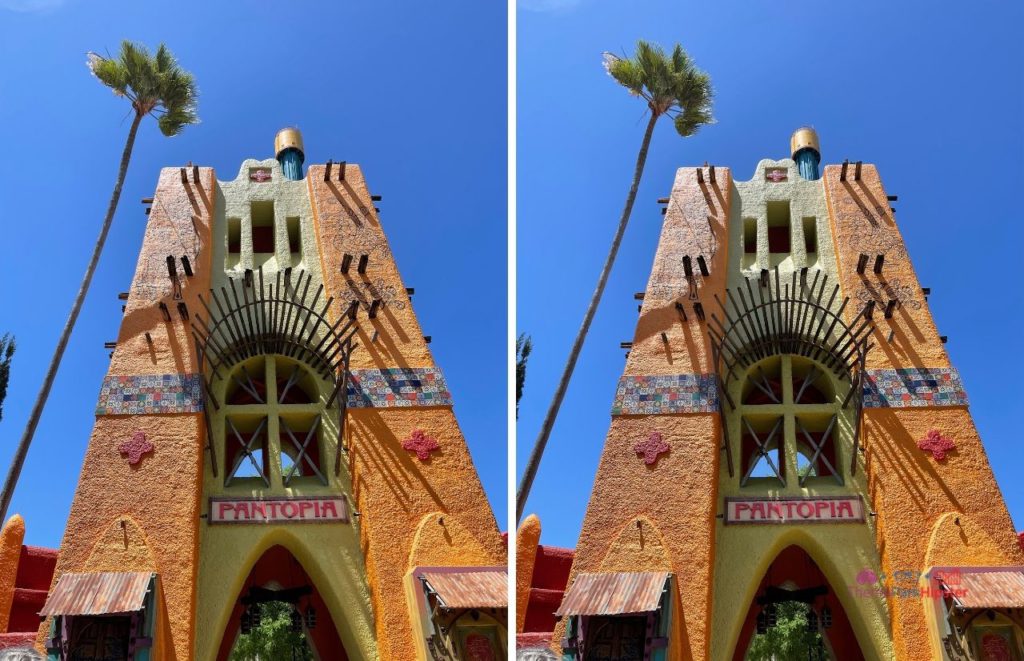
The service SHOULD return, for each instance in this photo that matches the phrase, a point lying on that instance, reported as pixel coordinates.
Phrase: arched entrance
(795, 587)
(279, 578)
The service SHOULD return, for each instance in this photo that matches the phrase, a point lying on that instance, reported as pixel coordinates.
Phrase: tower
(273, 428)
(788, 432)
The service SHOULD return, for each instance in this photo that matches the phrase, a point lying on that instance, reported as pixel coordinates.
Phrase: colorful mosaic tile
(150, 393)
(926, 386)
(397, 386)
(666, 393)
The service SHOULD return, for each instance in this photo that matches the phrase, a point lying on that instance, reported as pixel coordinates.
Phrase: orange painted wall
(862, 223)
(11, 538)
(158, 498)
(527, 540)
(695, 224)
(393, 490)
(678, 495)
(911, 492)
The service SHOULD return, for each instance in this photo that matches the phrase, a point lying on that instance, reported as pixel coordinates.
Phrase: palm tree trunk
(556, 402)
(51, 373)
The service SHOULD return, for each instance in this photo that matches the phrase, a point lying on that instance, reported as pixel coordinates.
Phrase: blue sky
(931, 92)
(391, 86)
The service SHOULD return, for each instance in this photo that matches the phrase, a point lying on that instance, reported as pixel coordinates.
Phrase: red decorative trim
(136, 447)
(421, 444)
(652, 448)
(260, 175)
(937, 444)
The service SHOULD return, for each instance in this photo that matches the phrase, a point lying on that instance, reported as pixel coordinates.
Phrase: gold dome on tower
(288, 138)
(804, 138)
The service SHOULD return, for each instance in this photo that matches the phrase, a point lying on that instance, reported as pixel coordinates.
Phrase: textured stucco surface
(330, 553)
(862, 223)
(161, 493)
(396, 492)
(695, 224)
(676, 498)
(744, 552)
(806, 200)
(915, 495)
(345, 221)
(677, 495)
(927, 512)
(11, 538)
(148, 516)
(527, 540)
(291, 200)
(912, 492)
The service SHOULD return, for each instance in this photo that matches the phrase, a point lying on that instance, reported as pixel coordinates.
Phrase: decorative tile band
(397, 386)
(926, 386)
(666, 393)
(150, 393)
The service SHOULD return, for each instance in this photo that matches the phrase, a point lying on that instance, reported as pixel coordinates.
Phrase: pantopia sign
(327, 509)
(820, 509)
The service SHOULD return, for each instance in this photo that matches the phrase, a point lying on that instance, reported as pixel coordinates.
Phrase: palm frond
(155, 84)
(670, 83)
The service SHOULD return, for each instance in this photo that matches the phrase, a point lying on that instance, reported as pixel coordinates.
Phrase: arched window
(273, 413)
(789, 409)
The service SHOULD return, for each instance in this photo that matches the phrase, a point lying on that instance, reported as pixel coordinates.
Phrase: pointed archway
(793, 576)
(279, 576)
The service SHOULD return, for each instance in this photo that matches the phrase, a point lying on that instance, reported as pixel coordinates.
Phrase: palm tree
(156, 86)
(671, 85)
(524, 345)
(7, 347)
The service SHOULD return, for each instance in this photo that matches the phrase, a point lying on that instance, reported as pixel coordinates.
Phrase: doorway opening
(280, 614)
(796, 614)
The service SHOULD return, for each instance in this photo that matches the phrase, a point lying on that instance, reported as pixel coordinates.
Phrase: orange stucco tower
(273, 430)
(789, 439)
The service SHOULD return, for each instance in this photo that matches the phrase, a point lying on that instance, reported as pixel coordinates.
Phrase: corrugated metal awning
(986, 589)
(101, 593)
(469, 589)
(614, 594)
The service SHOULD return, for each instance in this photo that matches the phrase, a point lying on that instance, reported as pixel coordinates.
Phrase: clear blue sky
(414, 92)
(931, 92)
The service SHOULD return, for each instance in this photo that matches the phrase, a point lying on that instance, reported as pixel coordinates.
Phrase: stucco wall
(393, 489)
(744, 552)
(676, 496)
(918, 499)
(527, 540)
(862, 223)
(912, 491)
(11, 538)
(160, 493)
(330, 553)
